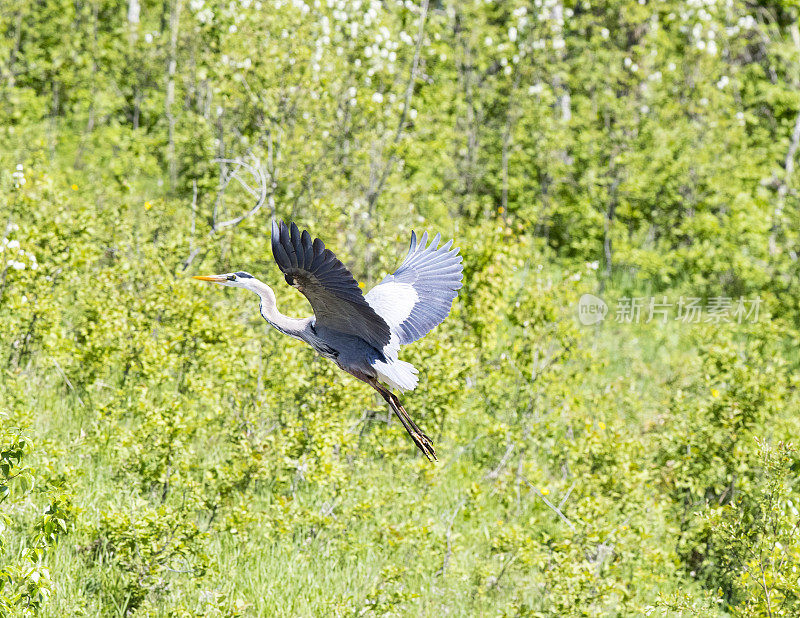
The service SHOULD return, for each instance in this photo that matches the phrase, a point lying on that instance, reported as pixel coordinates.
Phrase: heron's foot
(425, 444)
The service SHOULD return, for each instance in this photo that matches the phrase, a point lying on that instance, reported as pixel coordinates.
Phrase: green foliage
(163, 453)
(25, 580)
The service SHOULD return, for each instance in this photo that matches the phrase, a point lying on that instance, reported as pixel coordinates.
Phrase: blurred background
(164, 453)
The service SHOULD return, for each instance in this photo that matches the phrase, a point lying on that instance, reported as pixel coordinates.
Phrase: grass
(397, 538)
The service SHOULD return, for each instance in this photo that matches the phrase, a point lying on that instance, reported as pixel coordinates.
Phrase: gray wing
(327, 284)
(418, 295)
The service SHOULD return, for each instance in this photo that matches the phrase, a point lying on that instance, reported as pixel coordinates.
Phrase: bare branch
(375, 191)
(257, 171)
(263, 193)
(493, 474)
(788, 164)
(566, 495)
(554, 508)
(68, 383)
(449, 551)
(194, 214)
(495, 581)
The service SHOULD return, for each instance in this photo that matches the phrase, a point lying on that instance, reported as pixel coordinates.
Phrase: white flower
(723, 81)
(512, 34)
(148, 37)
(412, 113)
(747, 22)
(14, 244)
(558, 43)
(17, 265)
(535, 89)
(232, 28)
(712, 47)
(593, 265)
(604, 33)
(487, 41)
(377, 97)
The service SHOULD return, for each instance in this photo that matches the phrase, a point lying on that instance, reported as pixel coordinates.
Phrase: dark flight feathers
(334, 295)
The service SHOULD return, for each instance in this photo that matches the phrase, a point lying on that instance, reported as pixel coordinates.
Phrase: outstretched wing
(327, 284)
(418, 295)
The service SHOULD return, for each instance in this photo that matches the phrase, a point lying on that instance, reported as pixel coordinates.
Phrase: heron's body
(362, 334)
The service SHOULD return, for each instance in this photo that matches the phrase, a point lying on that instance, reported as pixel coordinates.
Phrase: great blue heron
(362, 334)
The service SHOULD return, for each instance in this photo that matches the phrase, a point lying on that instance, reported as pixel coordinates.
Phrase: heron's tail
(422, 441)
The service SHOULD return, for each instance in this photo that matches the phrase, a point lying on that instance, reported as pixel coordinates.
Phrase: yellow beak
(212, 278)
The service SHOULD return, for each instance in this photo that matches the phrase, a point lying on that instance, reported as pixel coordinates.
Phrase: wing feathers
(430, 277)
(330, 288)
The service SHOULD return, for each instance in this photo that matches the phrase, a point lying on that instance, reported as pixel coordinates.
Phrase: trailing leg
(422, 441)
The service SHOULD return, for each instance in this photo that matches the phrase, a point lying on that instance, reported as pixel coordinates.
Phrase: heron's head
(233, 280)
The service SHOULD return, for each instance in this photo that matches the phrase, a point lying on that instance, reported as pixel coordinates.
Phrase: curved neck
(294, 327)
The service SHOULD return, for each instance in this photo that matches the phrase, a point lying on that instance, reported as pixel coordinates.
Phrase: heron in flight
(361, 333)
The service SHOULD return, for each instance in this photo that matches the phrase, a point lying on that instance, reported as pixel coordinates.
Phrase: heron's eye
(231, 277)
